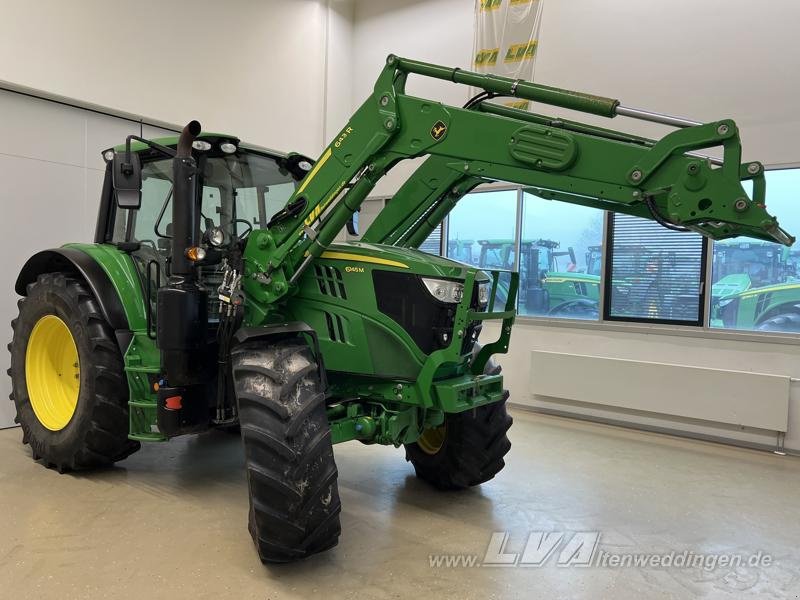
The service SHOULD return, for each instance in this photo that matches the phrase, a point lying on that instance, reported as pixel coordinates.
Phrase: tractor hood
(415, 261)
(569, 276)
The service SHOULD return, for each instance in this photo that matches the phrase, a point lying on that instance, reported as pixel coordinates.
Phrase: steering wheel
(249, 228)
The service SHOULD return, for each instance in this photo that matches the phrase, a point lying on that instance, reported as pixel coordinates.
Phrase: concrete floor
(170, 522)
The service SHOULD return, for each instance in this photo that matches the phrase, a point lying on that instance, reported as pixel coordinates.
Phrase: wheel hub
(432, 440)
(52, 372)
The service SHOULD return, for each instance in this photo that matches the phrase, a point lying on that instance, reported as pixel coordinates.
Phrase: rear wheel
(786, 322)
(467, 449)
(67, 376)
(291, 472)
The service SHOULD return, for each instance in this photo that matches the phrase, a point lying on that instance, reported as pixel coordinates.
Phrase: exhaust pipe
(183, 302)
(188, 135)
(185, 222)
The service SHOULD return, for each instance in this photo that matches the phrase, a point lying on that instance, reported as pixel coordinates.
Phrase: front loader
(214, 295)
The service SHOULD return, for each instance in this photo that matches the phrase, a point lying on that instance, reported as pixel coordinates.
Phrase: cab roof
(171, 141)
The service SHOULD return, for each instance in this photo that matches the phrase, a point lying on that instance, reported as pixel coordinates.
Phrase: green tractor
(214, 296)
(461, 250)
(594, 260)
(756, 287)
(740, 266)
(551, 285)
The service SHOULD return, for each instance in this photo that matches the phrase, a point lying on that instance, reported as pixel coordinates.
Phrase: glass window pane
(755, 284)
(481, 228)
(560, 259)
(656, 273)
(433, 243)
(481, 232)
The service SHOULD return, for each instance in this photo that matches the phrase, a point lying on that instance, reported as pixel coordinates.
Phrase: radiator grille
(336, 330)
(329, 280)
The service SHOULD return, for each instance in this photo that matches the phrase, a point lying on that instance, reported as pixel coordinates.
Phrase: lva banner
(507, 39)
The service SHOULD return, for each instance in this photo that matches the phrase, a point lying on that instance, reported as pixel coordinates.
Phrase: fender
(271, 333)
(71, 260)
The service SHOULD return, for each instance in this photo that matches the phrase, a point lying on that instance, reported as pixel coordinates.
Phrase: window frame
(608, 259)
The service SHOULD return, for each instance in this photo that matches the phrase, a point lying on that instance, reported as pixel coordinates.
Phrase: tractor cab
(739, 266)
(461, 250)
(594, 260)
(550, 282)
(240, 188)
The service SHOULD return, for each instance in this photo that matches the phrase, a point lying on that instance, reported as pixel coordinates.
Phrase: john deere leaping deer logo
(438, 130)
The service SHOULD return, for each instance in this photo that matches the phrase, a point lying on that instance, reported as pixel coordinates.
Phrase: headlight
(215, 236)
(227, 147)
(484, 289)
(445, 291)
(201, 145)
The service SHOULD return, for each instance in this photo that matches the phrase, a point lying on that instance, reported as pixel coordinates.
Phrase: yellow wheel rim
(432, 440)
(52, 372)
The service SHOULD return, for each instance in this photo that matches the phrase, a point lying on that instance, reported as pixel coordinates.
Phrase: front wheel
(466, 450)
(576, 309)
(291, 472)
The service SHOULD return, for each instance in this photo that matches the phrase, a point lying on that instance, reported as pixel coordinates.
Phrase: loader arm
(433, 190)
(563, 160)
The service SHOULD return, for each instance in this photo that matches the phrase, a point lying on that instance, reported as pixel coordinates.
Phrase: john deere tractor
(214, 294)
(551, 284)
(756, 287)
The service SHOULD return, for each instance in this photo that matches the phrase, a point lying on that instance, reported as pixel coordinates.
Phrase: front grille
(403, 298)
(763, 302)
(329, 280)
(336, 331)
(580, 288)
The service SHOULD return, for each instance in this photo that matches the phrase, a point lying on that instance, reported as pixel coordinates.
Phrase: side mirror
(352, 223)
(126, 177)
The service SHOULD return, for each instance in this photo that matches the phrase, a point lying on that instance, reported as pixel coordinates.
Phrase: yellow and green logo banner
(507, 40)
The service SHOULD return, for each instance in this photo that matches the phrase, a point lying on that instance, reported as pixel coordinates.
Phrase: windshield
(496, 256)
(239, 191)
(763, 263)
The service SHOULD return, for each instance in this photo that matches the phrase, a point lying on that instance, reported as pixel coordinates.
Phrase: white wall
(703, 60)
(254, 68)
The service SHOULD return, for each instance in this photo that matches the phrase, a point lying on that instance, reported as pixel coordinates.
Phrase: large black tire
(786, 322)
(291, 472)
(97, 433)
(580, 308)
(468, 449)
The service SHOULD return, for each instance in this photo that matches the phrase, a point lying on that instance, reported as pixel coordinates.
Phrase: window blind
(653, 274)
